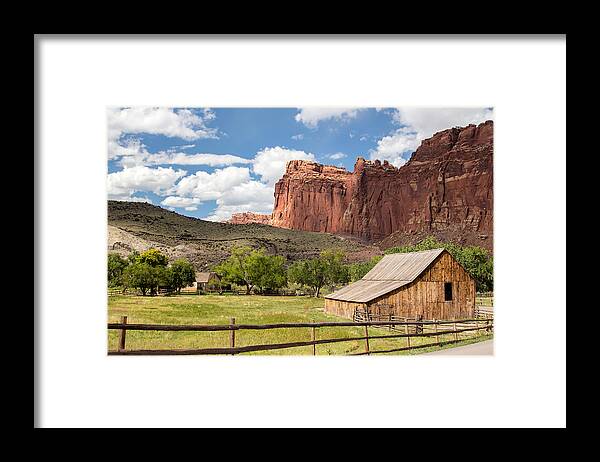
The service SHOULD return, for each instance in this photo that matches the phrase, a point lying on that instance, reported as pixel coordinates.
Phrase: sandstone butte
(446, 188)
(249, 217)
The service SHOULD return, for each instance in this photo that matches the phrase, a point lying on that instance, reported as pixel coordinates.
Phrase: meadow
(254, 309)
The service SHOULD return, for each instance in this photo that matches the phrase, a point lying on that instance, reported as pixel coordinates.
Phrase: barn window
(447, 291)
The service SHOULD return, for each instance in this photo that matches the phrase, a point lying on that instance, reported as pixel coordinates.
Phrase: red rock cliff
(445, 186)
(249, 217)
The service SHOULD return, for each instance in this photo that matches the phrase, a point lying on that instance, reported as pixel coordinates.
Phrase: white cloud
(131, 148)
(180, 202)
(170, 122)
(129, 198)
(208, 114)
(427, 121)
(270, 163)
(299, 136)
(395, 148)
(141, 178)
(251, 196)
(211, 186)
(337, 155)
(191, 208)
(180, 158)
(233, 188)
(419, 124)
(363, 138)
(312, 116)
(181, 123)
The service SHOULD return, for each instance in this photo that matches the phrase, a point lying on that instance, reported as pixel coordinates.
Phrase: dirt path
(481, 348)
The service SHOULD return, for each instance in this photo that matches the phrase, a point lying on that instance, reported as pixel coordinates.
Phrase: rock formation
(245, 218)
(446, 186)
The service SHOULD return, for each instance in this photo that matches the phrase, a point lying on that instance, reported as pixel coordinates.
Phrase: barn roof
(204, 277)
(392, 272)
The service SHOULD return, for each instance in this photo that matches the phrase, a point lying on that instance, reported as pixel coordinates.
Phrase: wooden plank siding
(422, 297)
(342, 308)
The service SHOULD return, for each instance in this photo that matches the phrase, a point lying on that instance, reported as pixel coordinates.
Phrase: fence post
(406, 332)
(232, 334)
(122, 334)
(437, 337)
(390, 326)
(455, 333)
(313, 337)
(367, 340)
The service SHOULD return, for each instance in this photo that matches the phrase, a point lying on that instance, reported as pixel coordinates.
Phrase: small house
(207, 281)
(429, 285)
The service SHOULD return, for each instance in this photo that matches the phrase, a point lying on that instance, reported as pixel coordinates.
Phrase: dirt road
(481, 348)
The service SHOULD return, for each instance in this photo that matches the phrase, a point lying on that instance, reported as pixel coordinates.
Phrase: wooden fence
(485, 294)
(113, 291)
(408, 330)
(486, 312)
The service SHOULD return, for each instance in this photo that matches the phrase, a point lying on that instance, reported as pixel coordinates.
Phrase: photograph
(364, 231)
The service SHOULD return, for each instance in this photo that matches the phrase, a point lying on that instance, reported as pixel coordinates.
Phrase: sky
(211, 162)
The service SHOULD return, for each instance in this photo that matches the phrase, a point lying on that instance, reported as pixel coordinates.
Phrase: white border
(522, 385)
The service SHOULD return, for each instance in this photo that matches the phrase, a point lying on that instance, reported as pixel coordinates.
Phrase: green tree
(133, 256)
(336, 272)
(266, 271)
(235, 270)
(358, 270)
(253, 268)
(116, 266)
(153, 257)
(309, 273)
(144, 277)
(180, 274)
(315, 273)
(475, 260)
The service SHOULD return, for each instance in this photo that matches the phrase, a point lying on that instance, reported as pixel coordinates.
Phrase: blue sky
(212, 162)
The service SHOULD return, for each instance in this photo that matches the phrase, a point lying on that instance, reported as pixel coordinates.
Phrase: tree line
(251, 268)
(149, 270)
(257, 271)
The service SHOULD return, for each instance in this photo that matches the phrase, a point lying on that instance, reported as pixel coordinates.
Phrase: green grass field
(218, 309)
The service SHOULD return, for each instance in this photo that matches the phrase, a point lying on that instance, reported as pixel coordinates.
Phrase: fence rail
(484, 294)
(484, 312)
(411, 329)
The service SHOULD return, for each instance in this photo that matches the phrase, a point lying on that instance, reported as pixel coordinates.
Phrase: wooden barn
(430, 284)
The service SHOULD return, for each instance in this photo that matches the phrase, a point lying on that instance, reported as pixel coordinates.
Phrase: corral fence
(362, 315)
(405, 329)
(274, 293)
(485, 312)
(485, 294)
(114, 291)
(412, 325)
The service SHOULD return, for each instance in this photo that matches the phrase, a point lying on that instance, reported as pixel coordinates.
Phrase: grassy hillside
(135, 225)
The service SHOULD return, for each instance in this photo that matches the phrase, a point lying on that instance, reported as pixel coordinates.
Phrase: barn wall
(340, 308)
(425, 296)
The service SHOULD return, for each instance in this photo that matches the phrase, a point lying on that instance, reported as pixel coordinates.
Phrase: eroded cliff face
(445, 186)
(245, 218)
